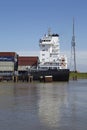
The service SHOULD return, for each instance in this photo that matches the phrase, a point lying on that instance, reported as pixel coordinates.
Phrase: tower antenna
(73, 48)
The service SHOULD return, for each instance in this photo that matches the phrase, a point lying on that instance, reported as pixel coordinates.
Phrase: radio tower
(73, 53)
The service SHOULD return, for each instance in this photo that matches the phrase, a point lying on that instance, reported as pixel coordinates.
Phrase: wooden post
(30, 78)
(16, 78)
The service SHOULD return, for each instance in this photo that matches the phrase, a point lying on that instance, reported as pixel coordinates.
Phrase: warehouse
(25, 64)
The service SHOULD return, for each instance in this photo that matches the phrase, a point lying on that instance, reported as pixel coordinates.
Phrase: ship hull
(57, 75)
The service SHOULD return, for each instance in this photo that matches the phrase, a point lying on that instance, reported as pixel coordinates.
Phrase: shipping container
(7, 58)
(10, 59)
(6, 63)
(3, 73)
(8, 54)
(6, 68)
(27, 61)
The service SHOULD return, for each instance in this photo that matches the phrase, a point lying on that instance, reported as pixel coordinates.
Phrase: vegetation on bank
(79, 75)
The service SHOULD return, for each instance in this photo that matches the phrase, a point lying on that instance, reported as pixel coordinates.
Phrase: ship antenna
(49, 31)
(73, 49)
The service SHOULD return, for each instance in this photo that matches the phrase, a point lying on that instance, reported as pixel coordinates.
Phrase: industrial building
(26, 62)
(11, 63)
(8, 64)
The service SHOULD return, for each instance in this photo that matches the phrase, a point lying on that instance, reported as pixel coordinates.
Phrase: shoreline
(80, 75)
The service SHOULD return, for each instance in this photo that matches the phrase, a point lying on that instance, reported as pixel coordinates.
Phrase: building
(11, 63)
(8, 63)
(26, 62)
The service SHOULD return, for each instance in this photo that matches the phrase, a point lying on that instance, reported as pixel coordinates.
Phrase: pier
(28, 78)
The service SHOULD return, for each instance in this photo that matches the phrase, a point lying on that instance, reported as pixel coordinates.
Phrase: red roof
(8, 53)
(29, 61)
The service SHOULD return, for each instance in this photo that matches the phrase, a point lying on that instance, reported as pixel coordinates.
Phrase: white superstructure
(50, 52)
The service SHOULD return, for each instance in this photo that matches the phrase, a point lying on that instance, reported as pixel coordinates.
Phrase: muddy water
(43, 106)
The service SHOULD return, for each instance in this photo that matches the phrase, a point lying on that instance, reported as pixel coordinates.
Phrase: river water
(43, 106)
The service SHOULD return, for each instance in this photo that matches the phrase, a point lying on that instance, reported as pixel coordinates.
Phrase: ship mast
(49, 31)
(73, 49)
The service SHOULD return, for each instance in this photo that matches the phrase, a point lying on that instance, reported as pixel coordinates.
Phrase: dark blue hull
(58, 75)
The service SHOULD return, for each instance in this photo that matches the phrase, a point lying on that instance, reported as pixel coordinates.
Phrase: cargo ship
(51, 63)
(49, 66)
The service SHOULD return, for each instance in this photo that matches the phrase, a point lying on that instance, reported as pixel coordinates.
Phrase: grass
(79, 75)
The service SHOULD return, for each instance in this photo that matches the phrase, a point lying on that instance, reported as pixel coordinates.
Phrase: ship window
(50, 55)
(43, 45)
(43, 59)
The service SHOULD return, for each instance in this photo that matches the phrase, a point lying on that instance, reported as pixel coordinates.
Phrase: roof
(27, 61)
(8, 53)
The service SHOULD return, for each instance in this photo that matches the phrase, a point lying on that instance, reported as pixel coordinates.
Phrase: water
(43, 106)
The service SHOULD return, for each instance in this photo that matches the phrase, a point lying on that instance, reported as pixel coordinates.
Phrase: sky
(24, 22)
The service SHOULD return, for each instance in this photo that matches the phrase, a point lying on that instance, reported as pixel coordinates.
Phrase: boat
(51, 63)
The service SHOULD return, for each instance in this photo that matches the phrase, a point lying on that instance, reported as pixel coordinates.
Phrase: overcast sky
(24, 22)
